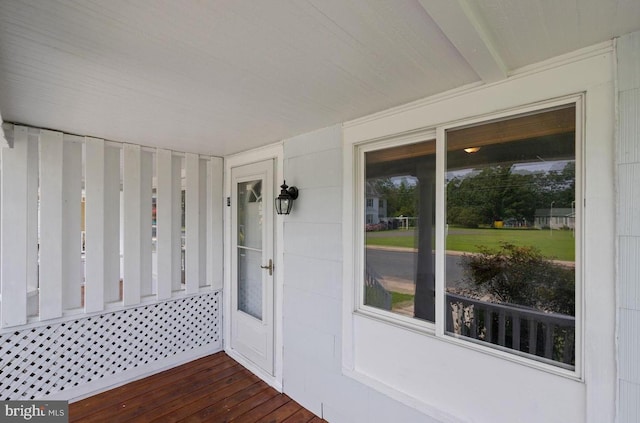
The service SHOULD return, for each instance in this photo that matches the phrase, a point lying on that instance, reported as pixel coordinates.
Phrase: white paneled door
(252, 273)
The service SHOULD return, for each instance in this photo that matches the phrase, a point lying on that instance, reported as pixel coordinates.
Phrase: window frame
(428, 135)
(437, 134)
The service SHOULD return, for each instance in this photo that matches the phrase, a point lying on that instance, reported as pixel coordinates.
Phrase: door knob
(269, 266)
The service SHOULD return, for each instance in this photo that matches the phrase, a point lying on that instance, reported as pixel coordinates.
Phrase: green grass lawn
(557, 245)
(399, 297)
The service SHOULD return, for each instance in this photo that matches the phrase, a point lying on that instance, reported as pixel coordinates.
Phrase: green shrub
(467, 217)
(522, 276)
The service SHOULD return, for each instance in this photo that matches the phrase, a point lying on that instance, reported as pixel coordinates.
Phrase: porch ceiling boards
(212, 389)
(223, 76)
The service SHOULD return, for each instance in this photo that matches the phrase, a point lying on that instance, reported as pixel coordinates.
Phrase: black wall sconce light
(284, 201)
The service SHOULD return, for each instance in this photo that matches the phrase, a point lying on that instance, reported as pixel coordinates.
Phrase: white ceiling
(222, 76)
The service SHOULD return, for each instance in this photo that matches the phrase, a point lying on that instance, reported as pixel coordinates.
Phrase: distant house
(376, 209)
(556, 218)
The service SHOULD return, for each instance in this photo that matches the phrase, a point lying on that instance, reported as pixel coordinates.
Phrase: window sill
(428, 329)
(404, 322)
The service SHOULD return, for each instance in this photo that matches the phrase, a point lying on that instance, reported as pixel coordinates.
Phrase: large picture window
(509, 227)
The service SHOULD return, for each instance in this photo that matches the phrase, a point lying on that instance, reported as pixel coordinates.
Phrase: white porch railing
(375, 294)
(74, 357)
(44, 179)
(547, 335)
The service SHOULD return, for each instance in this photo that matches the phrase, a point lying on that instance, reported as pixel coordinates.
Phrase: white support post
(13, 287)
(192, 242)
(1, 241)
(94, 287)
(112, 190)
(32, 220)
(51, 230)
(203, 225)
(166, 244)
(146, 177)
(214, 222)
(176, 223)
(102, 212)
(210, 223)
(132, 191)
(71, 222)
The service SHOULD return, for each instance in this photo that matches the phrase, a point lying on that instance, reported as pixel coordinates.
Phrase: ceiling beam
(463, 25)
(4, 142)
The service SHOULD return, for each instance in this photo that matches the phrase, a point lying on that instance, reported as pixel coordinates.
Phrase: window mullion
(440, 231)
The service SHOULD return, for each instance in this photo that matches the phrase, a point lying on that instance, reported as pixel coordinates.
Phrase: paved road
(401, 266)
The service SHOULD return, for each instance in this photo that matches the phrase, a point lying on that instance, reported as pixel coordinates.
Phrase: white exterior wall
(468, 383)
(628, 229)
(313, 290)
(357, 369)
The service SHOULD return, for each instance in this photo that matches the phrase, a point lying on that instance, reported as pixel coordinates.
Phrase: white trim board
(276, 152)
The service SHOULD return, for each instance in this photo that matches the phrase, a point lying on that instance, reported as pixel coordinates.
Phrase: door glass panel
(250, 248)
(250, 214)
(250, 282)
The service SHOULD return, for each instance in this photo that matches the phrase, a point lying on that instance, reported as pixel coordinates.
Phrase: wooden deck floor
(212, 389)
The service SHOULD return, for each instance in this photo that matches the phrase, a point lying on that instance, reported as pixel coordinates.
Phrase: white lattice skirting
(44, 360)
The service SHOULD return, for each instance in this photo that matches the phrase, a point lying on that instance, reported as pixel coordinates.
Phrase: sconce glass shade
(284, 201)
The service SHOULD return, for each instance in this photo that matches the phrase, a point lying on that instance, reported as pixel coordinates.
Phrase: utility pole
(551, 217)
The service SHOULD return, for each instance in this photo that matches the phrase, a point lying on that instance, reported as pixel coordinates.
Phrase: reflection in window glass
(400, 220)
(511, 220)
(249, 241)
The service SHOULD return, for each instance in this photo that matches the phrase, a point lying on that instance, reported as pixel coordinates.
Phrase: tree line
(497, 193)
(484, 196)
